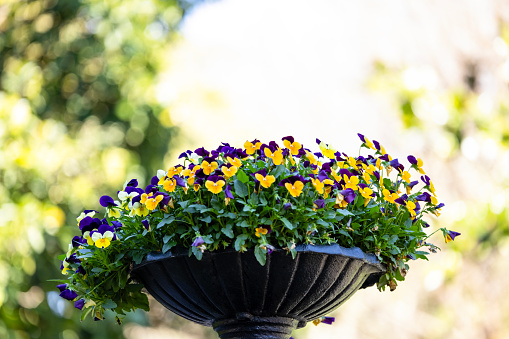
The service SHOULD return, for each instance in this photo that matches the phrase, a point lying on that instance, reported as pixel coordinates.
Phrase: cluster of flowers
(290, 175)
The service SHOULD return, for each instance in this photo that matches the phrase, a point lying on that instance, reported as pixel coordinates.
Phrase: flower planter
(239, 298)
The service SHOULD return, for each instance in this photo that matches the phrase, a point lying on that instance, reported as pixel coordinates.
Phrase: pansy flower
(190, 173)
(366, 141)
(103, 236)
(138, 209)
(351, 182)
(151, 200)
(275, 155)
(229, 170)
(292, 145)
(390, 197)
(265, 180)
(262, 230)
(326, 150)
(215, 184)
(209, 166)
(366, 192)
(450, 236)
(234, 161)
(252, 146)
(344, 197)
(416, 163)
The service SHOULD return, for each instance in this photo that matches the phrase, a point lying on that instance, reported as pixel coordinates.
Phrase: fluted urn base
(255, 328)
(239, 298)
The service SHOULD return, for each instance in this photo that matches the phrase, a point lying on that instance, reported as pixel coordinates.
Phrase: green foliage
(232, 199)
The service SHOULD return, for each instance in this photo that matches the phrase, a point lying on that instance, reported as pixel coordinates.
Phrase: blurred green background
(95, 92)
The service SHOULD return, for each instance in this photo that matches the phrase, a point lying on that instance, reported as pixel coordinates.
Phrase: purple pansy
(202, 152)
(198, 242)
(320, 203)
(107, 201)
(68, 294)
(79, 304)
(228, 192)
(348, 195)
(146, 224)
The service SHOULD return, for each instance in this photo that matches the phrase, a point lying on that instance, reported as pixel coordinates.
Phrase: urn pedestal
(241, 299)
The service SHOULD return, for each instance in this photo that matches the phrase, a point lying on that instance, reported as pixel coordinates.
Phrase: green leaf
(206, 219)
(323, 223)
(243, 223)
(168, 246)
(248, 208)
(343, 212)
(287, 223)
(166, 221)
(242, 176)
(167, 237)
(408, 223)
(280, 169)
(263, 201)
(138, 257)
(214, 202)
(97, 270)
(61, 257)
(260, 254)
(228, 231)
(241, 240)
(108, 303)
(240, 188)
(197, 252)
(253, 199)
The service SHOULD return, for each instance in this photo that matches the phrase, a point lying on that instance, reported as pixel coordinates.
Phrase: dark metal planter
(241, 299)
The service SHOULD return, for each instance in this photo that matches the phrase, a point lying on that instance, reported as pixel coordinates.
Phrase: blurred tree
(467, 126)
(78, 116)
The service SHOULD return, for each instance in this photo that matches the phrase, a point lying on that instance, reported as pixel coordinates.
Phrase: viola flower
(344, 197)
(229, 170)
(79, 304)
(68, 294)
(311, 157)
(252, 147)
(318, 185)
(295, 189)
(175, 170)
(410, 205)
(103, 236)
(265, 181)
(390, 197)
(450, 236)
(319, 203)
(150, 200)
(326, 150)
(170, 184)
(234, 161)
(410, 186)
(202, 152)
(366, 141)
(416, 163)
(146, 224)
(190, 173)
(262, 230)
(325, 320)
(351, 182)
(366, 193)
(215, 184)
(292, 145)
(405, 176)
(209, 167)
(352, 162)
(138, 209)
(276, 156)
(379, 147)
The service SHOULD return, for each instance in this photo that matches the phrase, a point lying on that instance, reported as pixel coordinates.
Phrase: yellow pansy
(252, 148)
(261, 230)
(209, 167)
(229, 171)
(294, 147)
(214, 187)
(327, 150)
(170, 184)
(390, 197)
(351, 182)
(235, 162)
(265, 181)
(277, 156)
(406, 176)
(295, 189)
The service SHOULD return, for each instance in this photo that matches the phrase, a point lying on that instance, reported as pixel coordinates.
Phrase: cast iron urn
(241, 299)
